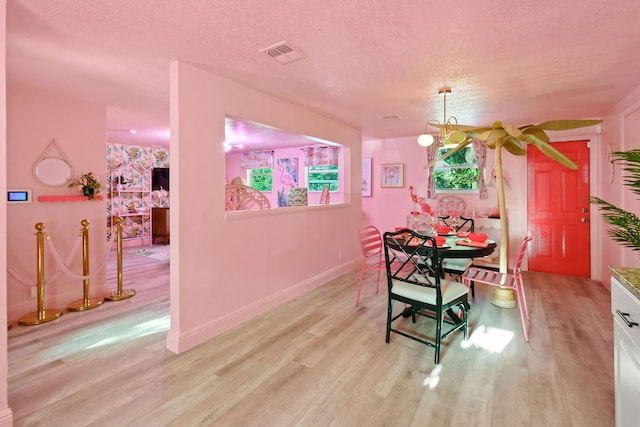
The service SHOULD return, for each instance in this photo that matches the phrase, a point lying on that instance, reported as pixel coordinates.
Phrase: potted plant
(88, 183)
(626, 225)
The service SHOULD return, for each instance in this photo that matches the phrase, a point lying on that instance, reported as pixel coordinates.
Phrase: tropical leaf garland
(626, 225)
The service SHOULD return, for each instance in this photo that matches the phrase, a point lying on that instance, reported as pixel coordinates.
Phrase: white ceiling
(518, 61)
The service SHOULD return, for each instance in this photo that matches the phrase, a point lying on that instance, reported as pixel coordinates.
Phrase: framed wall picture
(392, 175)
(288, 178)
(366, 177)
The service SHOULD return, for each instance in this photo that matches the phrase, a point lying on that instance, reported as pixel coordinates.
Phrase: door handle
(584, 219)
(624, 316)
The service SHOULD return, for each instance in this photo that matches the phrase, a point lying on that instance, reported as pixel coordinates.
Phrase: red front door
(558, 211)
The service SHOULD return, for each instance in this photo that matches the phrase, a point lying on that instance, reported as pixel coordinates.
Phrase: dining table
(454, 248)
(461, 247)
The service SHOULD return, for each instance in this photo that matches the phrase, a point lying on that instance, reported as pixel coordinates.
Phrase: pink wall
(228, 267)
(233, 169)
(35, 118)
(6, 417)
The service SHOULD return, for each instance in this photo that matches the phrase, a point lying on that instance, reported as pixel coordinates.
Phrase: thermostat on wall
(18, 196)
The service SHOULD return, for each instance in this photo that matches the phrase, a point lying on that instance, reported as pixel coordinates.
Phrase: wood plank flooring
(318, 361)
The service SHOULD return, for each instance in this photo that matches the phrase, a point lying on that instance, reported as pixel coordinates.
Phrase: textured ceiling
(518, 61)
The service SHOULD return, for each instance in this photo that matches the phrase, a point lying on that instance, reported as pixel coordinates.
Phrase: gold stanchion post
(86, 303)
(120, 294)
(42, 315)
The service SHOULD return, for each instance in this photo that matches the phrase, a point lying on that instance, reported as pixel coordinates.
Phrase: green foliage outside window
(261, 179)
(458, 171)
(319, 176)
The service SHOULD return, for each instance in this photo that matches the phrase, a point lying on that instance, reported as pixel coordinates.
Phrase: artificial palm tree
(626, 225)
(512, 139)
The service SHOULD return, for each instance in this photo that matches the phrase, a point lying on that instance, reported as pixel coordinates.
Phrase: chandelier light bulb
(425, 140)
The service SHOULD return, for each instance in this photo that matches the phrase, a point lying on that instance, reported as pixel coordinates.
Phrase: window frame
(250, 175)
(441, 166)
(337, 181)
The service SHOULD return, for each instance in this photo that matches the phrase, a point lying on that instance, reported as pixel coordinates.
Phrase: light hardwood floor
(318, 360)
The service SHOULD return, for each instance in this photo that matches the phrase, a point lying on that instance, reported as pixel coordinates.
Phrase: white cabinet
(626, 332)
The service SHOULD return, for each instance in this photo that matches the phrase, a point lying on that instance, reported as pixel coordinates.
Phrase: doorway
(558, 211)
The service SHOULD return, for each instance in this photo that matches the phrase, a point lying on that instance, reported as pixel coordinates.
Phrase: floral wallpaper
(134, 180)
(149, 157)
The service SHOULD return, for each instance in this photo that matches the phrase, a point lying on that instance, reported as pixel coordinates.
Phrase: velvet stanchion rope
(62, 265)
(65, 269)
(56, 274)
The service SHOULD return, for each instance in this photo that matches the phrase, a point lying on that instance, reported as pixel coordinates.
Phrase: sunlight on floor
(494, 340)
(433, 379)
(160, 324)
(92, 338)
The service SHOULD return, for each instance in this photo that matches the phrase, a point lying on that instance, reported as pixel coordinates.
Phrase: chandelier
(449, 131)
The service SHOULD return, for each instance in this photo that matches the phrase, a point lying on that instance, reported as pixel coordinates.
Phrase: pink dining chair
(372, 255)
(511, 280)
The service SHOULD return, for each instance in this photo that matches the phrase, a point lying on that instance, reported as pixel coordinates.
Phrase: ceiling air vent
(284, 52)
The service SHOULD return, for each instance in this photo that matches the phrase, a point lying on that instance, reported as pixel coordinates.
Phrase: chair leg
(439, 315)
(463, 308)
(471, 285)
(378, 282)
(389, 313)
(523, 309)
(520, 283)
(360, 285)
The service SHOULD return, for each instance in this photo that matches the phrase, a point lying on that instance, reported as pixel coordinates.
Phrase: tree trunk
(504, 230)
(502, 297)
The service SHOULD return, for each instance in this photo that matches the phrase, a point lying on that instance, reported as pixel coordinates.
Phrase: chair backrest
(462, 223)
(466, 224)
(242, 197)
(370, 241)
(412, 258)
(447, 204)
(521, 251)
(325, 197)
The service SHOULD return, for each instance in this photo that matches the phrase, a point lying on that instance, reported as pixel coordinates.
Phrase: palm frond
(626, 225)
(566, 124)
(630, 161)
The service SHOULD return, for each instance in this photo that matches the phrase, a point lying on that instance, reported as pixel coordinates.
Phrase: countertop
(629, 278)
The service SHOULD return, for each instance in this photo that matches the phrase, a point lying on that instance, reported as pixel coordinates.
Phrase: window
(458, 172)
(319, 176)
(261, 179)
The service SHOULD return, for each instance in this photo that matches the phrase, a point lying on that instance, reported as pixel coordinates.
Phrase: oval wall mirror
(52, 171)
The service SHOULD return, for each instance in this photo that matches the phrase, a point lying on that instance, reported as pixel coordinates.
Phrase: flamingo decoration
(414, 198)
(426, 208)
(285, 178)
